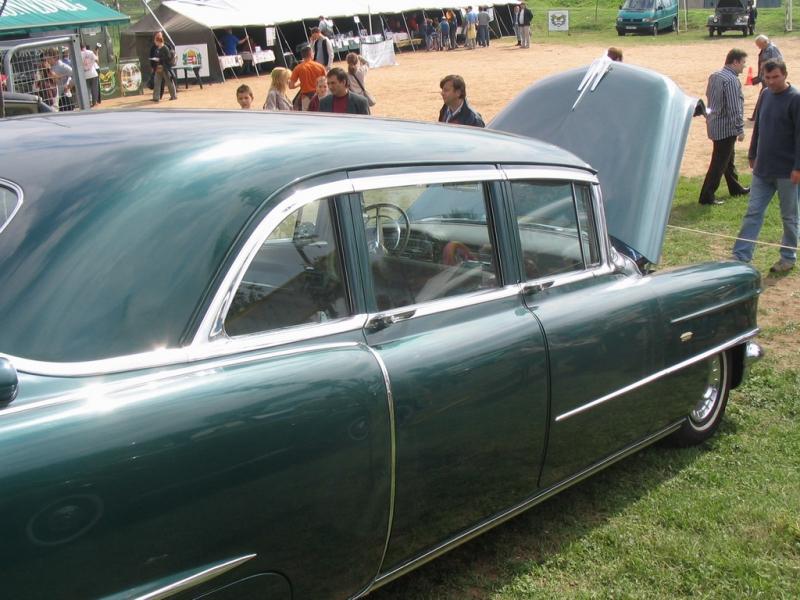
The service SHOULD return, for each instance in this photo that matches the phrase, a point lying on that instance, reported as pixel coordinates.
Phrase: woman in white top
(276, 97)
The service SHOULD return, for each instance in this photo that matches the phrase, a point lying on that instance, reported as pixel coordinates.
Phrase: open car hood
(630, 124)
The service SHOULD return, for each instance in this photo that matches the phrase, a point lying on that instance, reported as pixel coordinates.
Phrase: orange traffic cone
(749, 80)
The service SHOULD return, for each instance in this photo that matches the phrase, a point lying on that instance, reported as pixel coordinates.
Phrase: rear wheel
(704, 419)
(710, 32)
(675, 24)
(620, 32)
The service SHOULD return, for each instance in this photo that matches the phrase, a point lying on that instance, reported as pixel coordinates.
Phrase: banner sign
(107, 79)
(193, 55)
(130, 78)
(558, 20)
(380, 54)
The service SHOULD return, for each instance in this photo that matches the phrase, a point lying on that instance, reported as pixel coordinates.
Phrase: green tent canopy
(43, 15)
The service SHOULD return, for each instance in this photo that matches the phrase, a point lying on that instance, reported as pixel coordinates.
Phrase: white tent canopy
(231, 13)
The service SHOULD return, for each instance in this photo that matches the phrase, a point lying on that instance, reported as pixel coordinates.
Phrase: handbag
(370, 98)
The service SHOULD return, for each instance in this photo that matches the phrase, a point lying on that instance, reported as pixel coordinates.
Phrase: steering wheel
(373, 213)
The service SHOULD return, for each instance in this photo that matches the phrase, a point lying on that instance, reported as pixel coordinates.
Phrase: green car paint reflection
(433, 374)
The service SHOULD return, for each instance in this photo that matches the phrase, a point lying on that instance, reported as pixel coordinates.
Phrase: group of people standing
(54, 80)
(322, 87)
(773, 154)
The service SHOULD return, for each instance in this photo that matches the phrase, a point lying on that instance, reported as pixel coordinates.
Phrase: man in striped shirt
(725, 125)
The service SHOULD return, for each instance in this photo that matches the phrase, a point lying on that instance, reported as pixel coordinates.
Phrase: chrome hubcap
(708, 401)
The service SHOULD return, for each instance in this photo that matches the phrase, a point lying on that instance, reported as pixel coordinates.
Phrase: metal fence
(51, 68)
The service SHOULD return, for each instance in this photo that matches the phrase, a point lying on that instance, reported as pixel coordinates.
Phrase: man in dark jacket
(775, 159)
(455, 109)
(341, 99)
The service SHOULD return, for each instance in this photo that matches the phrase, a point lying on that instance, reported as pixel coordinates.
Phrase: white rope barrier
(731, 237)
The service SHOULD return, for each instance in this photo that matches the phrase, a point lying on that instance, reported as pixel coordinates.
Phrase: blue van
(647, 16)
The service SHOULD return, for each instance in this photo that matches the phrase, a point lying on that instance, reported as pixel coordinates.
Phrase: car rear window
(10, 201)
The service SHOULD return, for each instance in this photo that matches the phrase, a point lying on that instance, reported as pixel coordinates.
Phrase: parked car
(731, 15)
(647, 16)
(15, 104)
(239, 365)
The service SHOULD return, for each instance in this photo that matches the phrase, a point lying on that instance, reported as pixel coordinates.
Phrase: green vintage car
(276, 355)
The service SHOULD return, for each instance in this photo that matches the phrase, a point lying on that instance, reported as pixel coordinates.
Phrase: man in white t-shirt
(89, 60)
(62, 74)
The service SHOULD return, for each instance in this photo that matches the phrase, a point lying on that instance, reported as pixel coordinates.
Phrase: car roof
(128, 217)
(350, 141)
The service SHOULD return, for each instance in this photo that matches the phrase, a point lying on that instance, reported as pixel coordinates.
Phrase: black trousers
(722, 158)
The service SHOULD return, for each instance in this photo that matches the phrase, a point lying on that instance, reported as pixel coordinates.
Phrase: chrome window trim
(191, 581)
(212, 326)
(365, 184)
(514, 173)
(432, 307)
(659, 374)
(20, 199)
(602, 226)
(227, 345)
(604, 267)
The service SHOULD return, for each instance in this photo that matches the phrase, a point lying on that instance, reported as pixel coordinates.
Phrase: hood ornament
(594, 74)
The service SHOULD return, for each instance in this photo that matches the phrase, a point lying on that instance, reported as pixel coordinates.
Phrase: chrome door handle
(535, 288)
(379, 322)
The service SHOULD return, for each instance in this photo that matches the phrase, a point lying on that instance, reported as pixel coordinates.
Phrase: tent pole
(511, 18)
(408, 31)
(150, 10)
(250, 47)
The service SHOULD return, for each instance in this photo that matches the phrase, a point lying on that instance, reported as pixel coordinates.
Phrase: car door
(600, 325)
(269, 452)
(466, 362)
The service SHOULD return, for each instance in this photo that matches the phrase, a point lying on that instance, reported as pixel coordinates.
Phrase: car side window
(548, 217)
(295, 278)
(589, 241)
(428, 242)
(9, 204)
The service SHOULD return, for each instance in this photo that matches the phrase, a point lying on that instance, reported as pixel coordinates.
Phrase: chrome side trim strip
(566, 173)
(20, 198)
(393, 457)
(489, 173)
(197, 579)
(668, 371)
(191, 354)
(716, 307)
(522, 507)
(102, 389)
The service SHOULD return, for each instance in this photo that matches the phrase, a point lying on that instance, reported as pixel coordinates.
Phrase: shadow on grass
(495, 559)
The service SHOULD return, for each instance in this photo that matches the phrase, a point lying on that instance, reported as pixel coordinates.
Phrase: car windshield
(738, 4)
(638, 5)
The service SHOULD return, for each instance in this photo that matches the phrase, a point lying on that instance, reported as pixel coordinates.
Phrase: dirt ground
(496, 74)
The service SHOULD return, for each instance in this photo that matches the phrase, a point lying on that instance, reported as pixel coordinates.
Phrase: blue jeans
(762, 189)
